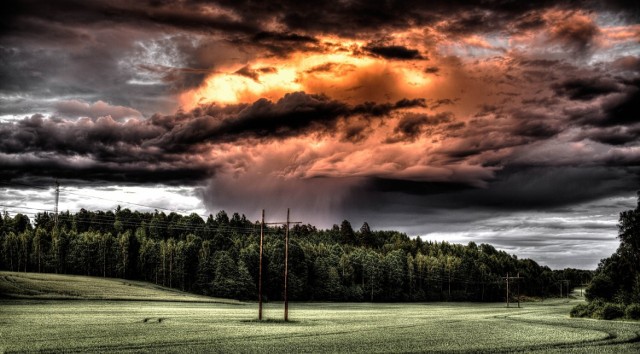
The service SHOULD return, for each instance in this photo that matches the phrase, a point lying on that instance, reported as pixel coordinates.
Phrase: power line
(95, 197)
(98, 217)
(170, 227)
(125, 202)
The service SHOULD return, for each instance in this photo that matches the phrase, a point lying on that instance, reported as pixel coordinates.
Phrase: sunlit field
(189, 324)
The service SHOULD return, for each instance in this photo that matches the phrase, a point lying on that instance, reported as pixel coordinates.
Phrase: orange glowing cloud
(342, 71)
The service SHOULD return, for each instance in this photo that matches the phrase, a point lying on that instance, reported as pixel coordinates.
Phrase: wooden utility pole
(286, 263)
(518, 291)
(507, 278)
(55, 217)
(567, 282)
(560, 283)
(582, 287)
(286, 268)
(260, 271)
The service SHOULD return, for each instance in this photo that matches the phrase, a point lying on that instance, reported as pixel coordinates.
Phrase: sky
(512, 123)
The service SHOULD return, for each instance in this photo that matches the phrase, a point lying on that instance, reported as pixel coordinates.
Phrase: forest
(219, 256)
(614, 291)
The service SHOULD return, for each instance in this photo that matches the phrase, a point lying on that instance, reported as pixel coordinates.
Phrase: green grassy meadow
(175, 322)
(43, 286)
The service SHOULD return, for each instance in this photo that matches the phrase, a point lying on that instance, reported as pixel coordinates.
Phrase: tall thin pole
(507, 289)
(260, 272)
(286, 268)
(518, 290)
(56, 207)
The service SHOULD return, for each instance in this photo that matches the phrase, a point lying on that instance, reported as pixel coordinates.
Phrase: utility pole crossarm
(507, 279)
(286, 262)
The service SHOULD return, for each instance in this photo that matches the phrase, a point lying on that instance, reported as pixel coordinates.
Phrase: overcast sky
(505, 122)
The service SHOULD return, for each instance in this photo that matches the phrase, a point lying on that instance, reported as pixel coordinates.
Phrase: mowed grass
(151, 326)
(75, 287)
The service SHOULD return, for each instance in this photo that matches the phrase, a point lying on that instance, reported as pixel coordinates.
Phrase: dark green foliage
(225, 283)
(601, 288)
(221, 257)
(606, 310)
(346, 233)
(617, 279)
(632, 312)
(580, 310)
(590, 310)
(609, 312)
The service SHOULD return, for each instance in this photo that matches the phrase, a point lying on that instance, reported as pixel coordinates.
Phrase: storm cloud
(461, 120)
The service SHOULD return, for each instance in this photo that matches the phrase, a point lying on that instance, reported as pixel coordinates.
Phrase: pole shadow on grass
(272, 320)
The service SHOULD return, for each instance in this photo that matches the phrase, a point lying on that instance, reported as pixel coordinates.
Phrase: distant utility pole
(286, 263)
(55, 210)
(567, 282)
(260, 271)
(286, 268)
(507, 278)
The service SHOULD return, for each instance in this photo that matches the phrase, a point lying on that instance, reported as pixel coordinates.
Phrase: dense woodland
(219, 256)
(615, 289)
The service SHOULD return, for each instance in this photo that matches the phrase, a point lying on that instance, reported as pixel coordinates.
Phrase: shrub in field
(609, 312)
(633, 312)
(580, 310)
(593, 307)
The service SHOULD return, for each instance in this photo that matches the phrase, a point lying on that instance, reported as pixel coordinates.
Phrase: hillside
(75, 287)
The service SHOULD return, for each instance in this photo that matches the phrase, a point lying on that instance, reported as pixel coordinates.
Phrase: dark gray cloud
(184, 15)
(294, 114)
(346, 18)
(514, 188)
(617, 135)
(393, 52)
(432, 70)
(618, 108)
(411, 125)
(254, 74)
(623, 110)
(43, 170)
(585, 89)
(165, 144)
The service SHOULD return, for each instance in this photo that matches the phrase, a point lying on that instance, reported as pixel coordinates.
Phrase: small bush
(609, 312)
(633, 312)
(593, 307)
(580, 310)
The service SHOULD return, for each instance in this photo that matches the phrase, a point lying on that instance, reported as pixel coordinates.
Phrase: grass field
(71, 287)
(161, 324)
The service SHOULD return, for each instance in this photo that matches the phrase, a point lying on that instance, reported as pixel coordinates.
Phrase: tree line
(219, 256)
(615, 289)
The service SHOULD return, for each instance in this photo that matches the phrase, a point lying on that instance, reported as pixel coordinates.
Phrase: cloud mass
(452, 120)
